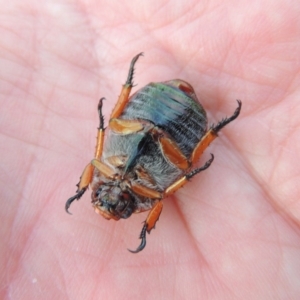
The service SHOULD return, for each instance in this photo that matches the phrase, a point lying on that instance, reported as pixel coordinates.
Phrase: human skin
(232, 232)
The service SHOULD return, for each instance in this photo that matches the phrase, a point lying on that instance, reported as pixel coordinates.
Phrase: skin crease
(233, 232)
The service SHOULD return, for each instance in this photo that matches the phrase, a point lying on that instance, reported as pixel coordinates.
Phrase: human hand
(233, 232)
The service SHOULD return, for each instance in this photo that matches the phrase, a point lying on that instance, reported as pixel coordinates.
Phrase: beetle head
(112, 203)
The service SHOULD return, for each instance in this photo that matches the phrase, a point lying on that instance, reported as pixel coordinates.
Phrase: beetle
(153, 140)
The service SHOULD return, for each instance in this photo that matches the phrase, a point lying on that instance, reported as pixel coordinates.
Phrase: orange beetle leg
(203, 144)
(99, 144)
(125, 126)
(183, 180)
(173, 153)
(125, 92)
(87, 174)
(117, 160)
(170, 149)
(157, 208)
(145, 191)
(143, 175)
(100, 135)
(213, 133)
(150, 222)
(103, 168)
(85, 180)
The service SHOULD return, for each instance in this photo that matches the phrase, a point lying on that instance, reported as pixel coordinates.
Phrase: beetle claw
(131, 70)
(68, 204)
(68, 211)
(140, 247)
(143, 242)
(101, 117)
(70, 200)
(226, 120)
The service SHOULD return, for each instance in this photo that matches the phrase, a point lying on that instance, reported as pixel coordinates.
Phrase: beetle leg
(145, 191)
(87, 174)
(126, 89)
(213, 133)
(157, 208)
(143, 242)
(170, 149)
(85, 180)
(153, 194)
(103, 168)
(124, 127)
(183, 180)
(101, 130)
(150, 222)
(172, 152)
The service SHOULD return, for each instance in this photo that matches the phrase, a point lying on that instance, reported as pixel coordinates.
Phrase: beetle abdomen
(175, 111)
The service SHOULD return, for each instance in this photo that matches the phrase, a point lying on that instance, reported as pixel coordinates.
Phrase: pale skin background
(233, 232)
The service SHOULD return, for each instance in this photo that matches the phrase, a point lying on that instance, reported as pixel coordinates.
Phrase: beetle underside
(147, 156)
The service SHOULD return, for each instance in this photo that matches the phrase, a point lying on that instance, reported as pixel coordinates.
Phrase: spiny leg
(226, 120)
(101, 130)
(212, 133)
(150, 222)
(131, 70)
(156, 210)
(143, 242)
(83, 184)
(126, 89)
(76, 197)
(183, 180)
(87, 174)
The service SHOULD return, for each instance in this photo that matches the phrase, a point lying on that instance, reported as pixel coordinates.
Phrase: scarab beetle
(153, 139)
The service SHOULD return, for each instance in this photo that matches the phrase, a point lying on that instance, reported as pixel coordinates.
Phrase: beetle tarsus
(225, 121)
(131, 69)
(101, 117)
(198, 170)
(143, 242)
(76, 197)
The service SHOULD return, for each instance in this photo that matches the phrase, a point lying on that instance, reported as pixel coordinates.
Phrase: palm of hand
(231, 233)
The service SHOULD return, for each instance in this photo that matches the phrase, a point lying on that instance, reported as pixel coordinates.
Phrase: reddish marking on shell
(185, 87)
